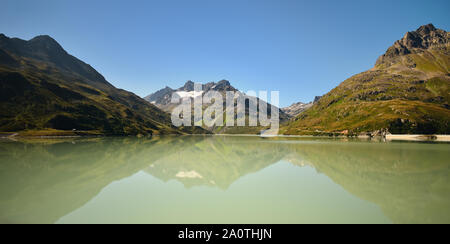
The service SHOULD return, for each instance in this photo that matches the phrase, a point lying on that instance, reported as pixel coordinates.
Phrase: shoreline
(392, 137)
(439, 138)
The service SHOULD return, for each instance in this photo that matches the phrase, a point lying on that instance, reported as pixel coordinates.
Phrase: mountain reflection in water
(44, 180)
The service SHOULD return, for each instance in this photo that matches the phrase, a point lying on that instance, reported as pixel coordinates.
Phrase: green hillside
(407, 92)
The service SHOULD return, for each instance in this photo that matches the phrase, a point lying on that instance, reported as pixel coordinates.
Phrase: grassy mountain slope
(43, 88)
(407, 92)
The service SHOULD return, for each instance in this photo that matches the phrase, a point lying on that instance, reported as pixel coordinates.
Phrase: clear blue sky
(301, 48)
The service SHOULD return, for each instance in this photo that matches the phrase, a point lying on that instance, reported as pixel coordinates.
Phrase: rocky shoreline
(441, 138)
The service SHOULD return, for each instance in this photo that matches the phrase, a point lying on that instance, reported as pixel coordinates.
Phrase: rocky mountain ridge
(162, 99)
(407, 92)
(45, 89)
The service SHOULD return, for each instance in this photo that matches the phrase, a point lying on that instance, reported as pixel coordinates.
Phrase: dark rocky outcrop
(43, 87)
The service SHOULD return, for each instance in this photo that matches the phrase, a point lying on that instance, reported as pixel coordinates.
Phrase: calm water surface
(195, 179)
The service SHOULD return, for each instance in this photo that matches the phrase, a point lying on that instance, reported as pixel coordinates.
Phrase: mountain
(43, 88)
(426, 37)
(297, 108)
(407, 92)
(162, 99)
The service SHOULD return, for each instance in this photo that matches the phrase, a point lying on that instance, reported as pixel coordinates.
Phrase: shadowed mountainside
(43, 87)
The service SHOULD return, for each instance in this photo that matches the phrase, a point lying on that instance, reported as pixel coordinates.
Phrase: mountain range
(407, 92)
(44, 90)
(162, 99)
(297, 108)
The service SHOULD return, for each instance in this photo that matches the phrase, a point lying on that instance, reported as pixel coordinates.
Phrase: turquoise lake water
(223, 179)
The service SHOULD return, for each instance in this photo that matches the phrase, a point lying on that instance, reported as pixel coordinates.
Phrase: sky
(300, 48)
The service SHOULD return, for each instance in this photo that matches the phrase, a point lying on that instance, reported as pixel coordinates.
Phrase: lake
(223, 179)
